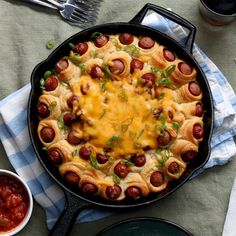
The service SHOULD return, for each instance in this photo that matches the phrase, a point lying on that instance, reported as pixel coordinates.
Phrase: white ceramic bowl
(30, 206)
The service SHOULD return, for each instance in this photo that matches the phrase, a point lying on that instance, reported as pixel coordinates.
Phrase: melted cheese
(119, 118)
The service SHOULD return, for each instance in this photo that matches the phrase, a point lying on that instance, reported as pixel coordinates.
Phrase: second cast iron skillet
(76, 200)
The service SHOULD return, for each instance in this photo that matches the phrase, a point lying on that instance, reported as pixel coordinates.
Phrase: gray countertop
(201, 204)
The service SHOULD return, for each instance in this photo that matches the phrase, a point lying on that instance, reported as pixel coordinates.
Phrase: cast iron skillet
(75, 200)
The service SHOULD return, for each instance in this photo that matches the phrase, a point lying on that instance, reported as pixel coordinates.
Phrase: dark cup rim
(216, 13)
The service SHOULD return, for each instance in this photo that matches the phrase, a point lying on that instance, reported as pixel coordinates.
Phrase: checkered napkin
(15, 138)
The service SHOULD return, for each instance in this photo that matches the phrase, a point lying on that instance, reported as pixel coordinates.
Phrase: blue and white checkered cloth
(15, 138)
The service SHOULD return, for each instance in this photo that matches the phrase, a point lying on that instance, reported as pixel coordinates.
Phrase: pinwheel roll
(191, 109)
(48, 107)
(185, 149)
(102, 46)
(183, 73)
(174, 168)
(192, 130)
(48, 132)
(51, 86)
(146, 45)
(152, 175)
(134, 186)
(91, 63)
(60, 151)
(67, 70)
(188, 93)
(118, 63)
(75, 134)
(82, 51)
(163, 57)
(72, 171)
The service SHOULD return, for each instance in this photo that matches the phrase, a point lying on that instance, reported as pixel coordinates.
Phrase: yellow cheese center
(117, 117)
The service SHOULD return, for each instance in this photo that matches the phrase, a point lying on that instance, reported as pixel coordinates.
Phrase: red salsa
(14, 203)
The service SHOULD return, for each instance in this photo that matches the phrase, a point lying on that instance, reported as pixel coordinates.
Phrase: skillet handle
(66, 220)
(171, 16)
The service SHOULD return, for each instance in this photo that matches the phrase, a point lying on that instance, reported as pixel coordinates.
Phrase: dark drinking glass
(225, 7)
(218, 12)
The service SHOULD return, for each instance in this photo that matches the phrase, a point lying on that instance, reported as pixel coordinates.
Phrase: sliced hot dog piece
(133, 192)
(71, 100)
(101, 41)
(101, 158)
(156, 179)
(69, 118)
(197, 131)
(61, 65)
(174, 168)
(73, 139)
(96, 72)
(136, 65)
(194, 89)
(89, 188)
(185, 68)
(72, 178)
(55, 156)
(168, 55)
(81, 48)
(139, 160)
(188, 156)
(50, 83)
(164, 139)
(146, 43)
(126, 38)
(149, 79)
(113, 192)
(117, 67)
(47, 134)
(85, 152)
(199, 110)
(121, 170)
(43, 110)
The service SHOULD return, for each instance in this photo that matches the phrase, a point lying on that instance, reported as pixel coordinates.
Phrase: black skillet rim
(169, 42)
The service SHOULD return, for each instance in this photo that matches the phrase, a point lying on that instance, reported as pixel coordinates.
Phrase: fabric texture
(15, 138)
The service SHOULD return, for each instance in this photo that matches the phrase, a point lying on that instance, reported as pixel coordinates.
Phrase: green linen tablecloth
(201, 204)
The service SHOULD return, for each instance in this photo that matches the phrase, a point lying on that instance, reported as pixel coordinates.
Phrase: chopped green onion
(140, 134)
(102, 114)
(154, 69)
(132, 50)
(47, 74)
(175, 125)
(93, 162)
(161, 96)
(96, 35)
(123, 96)
(164, 82)
(114, 141)
(128, 163)
(72, 45)
(44, 148)
(52, 105)
(132, 135)
(115, 178)
(160, 128)
(42, 83)
(74, 60)
(75, 152)
(50, 44)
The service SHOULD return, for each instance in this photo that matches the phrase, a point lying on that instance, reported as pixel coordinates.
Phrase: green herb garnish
(116, 178)
(162, 117)
(175, 125)
(50, 44)
(44, 148)
(102, 114)
(140, 133)
(93, 162)
(93, 54)
(155, 70)
(74, 60)
(160, 128)
(61, 124)
(132, 50)
(166, 73)
(95, 35)
(114, 141)
(42, 83)
(161, 96)
(52, 105)
(132, 135)
(47, 74)
(123, 96)
(128, 163)
(75, 152)
(72, 45)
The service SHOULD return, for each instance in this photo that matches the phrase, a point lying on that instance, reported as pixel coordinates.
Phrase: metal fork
(77, 13)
